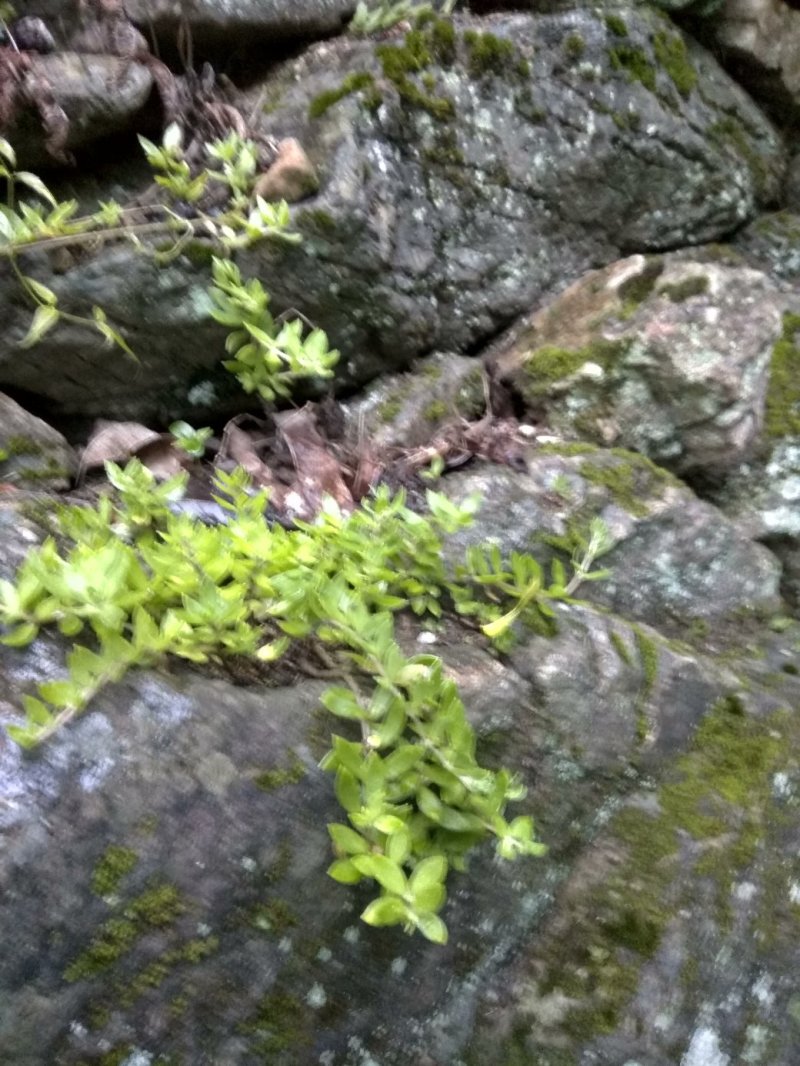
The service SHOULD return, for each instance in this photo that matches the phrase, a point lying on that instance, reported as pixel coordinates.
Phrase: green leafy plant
(142, 582)
(374, 16)
(190, 440)
(266, 359)
(50, 224)
(137, 579)
(382, 15)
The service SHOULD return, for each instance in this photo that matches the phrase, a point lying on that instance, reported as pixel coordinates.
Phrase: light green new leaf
(347, 840)
(431, 871)
(343, 871)
(44, 318)
(36, 185)
(21, 635)
(432, 928)
(385, 872)
(388, 910)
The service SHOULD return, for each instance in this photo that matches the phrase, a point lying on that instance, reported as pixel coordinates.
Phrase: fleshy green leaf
(388, 910)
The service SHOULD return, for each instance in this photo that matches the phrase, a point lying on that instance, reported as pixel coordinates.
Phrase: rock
(762, 499)
(772, 243)
(760, 42)
(406, 410)
(678, 912)
(415, 241)
(291, 177)
(676, 560)
(213, 23)
(163, 865)
(662, 355)
(32, 454)
(99, 95)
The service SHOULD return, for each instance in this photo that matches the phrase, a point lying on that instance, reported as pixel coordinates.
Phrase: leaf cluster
(267, 358)
(231, 162)
(137, 580)
(383, 14)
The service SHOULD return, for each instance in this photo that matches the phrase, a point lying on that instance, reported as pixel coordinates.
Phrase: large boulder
(97, 95)
(667, 356)
(163, 863)
(209, 22)
(467, 169)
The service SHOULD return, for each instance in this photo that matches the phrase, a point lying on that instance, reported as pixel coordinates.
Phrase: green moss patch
(686, 289)
(156, 908)
(489, 55)
(630, 478)
(353, 83)
(718, 792)
(635, 63)
(782, 413)
(112, 867)
(671, 54)
(269, 780)
(549, 364)
(574, 46)
(616, 25)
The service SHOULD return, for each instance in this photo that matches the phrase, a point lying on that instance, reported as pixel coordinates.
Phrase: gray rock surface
(100, 95)
(676, 559)
(163, 867)
(32, 454)
(159, 901)
(666, 356)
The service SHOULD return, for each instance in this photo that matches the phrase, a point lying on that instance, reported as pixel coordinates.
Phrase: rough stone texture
(436, 232)
(405, 410)
(772, 243)
(211, 21)
(760, 40)
(665, 356)
(99, 94)
(762, 499)
(32, 454)
(676, 559)
(674, 939)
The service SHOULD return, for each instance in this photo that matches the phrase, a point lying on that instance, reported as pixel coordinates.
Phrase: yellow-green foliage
(782, 415)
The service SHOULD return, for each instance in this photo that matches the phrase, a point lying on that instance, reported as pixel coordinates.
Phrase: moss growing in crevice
(638, 288)
(620, 647)
(279, 1024)
(353, 83)
(156, 908)
(269, 780)
(634, 63)
(418, 51)
(631, 480)
(679, 291)
(549, 364)
(111, 868)
(616, 25)
(574, 46)
(782, 412)
(731, 133)
(670, 52)
(489, 55)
